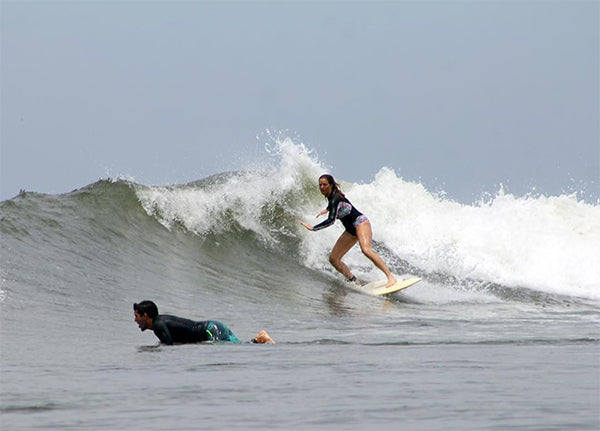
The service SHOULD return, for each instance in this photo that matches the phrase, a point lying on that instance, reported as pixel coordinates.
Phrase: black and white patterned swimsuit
(340, 208)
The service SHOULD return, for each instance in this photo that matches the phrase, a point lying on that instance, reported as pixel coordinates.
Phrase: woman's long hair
(335, 187)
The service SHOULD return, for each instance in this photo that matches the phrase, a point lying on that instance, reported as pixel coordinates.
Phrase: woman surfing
(357, 228)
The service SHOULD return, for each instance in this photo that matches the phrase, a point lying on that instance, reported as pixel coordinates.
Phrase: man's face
(144, 322)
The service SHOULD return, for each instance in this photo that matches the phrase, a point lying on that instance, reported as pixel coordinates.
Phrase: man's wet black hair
(146, 307)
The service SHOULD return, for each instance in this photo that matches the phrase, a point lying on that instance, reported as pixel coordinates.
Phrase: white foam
(551, 244)
(242, 197)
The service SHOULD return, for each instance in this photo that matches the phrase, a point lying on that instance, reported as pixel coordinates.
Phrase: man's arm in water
(161, 330)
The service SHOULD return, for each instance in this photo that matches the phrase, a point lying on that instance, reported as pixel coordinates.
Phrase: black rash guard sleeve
(161, 330)
(332, 207)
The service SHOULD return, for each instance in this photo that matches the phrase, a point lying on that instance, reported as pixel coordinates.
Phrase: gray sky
(460, 95)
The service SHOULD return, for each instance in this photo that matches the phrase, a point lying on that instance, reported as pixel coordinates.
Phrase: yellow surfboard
(377, 288)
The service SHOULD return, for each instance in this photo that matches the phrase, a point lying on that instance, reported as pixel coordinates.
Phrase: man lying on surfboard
(358, 228)
(173, 329)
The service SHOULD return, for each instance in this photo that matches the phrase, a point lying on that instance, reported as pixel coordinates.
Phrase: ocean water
(502, 333)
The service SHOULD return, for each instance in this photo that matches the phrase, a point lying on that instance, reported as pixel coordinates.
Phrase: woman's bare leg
(365, 235)
(344, 243)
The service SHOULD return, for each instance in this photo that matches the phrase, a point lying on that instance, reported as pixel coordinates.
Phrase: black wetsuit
(340, 207)
(173, 329)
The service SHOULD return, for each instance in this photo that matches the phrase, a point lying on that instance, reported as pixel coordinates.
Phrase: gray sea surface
(388, 365)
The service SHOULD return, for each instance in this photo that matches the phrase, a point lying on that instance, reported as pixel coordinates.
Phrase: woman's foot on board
(354, 280)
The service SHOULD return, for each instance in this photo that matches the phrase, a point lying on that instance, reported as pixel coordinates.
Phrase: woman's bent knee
(367, 251)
